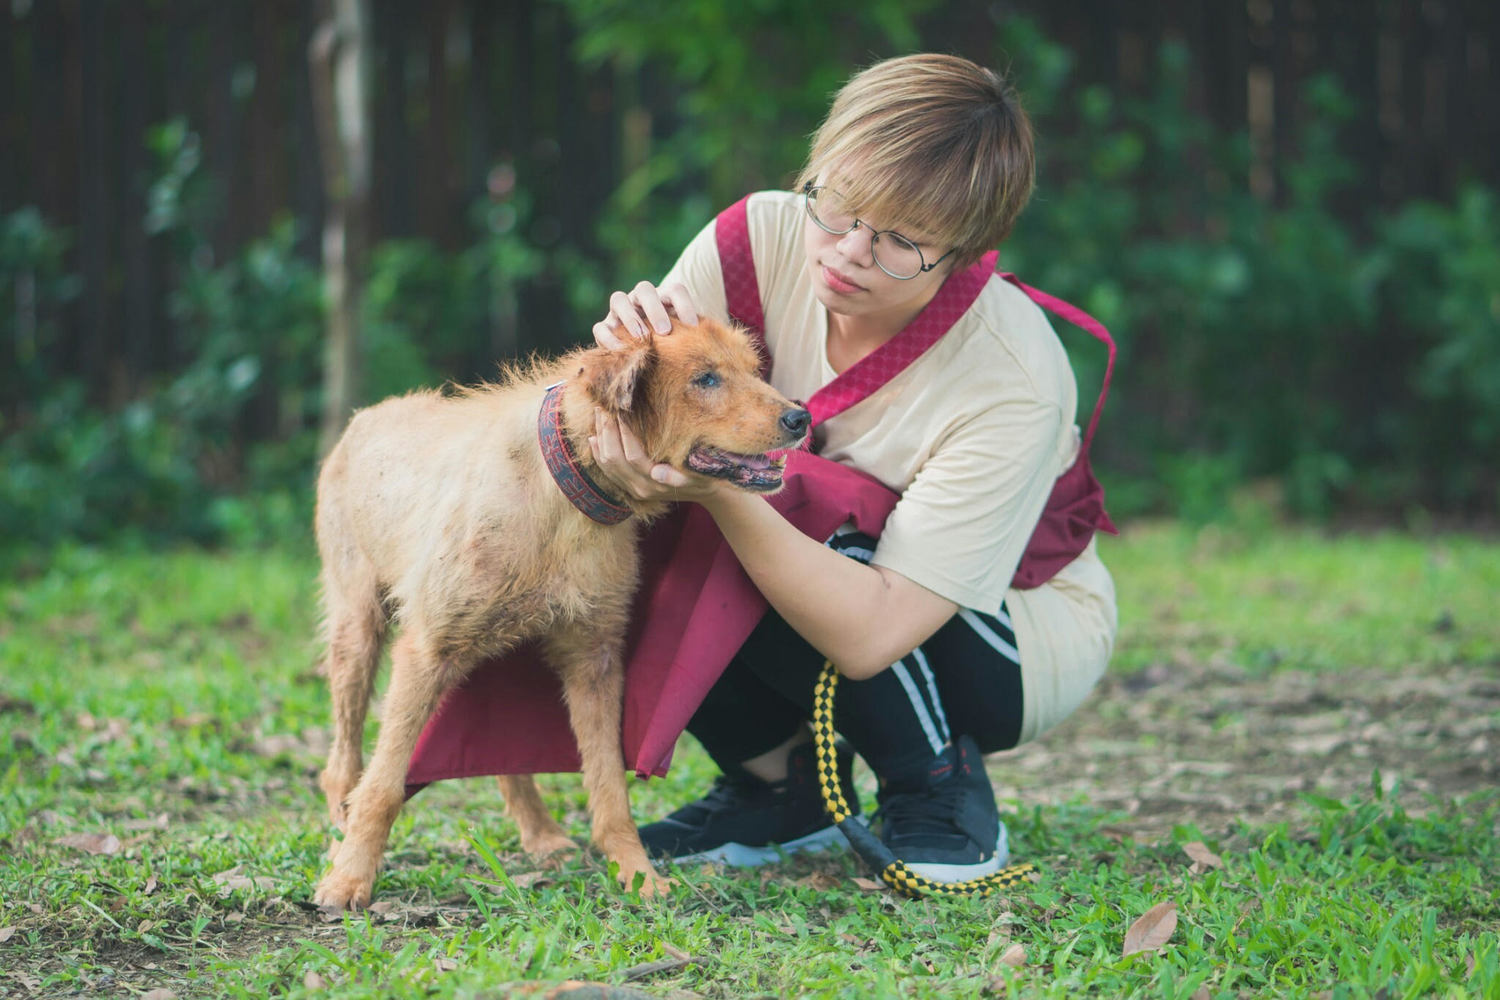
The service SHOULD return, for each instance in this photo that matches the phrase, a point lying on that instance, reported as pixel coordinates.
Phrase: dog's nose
(796, 421)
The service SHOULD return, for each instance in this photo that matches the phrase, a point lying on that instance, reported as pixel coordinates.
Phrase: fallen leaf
(821, 881)
(1152, 929)
(159, 994)
(1015, 956)
(231, 880)
(93, 843)
(1199, 852)
(868, 884)
(6, 933)
(149, 887)
(528, 880)
(159, 822)
(1201, 993)
(313, 981)
(445, 964)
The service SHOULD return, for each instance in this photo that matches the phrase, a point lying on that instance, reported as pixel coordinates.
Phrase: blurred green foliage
(1354, 363)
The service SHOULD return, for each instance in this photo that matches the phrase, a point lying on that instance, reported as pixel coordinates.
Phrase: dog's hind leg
(419, 679)
(356, 627)
(540, 833)
(593, 677)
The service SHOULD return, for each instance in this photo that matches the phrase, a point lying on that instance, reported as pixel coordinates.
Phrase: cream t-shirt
(972, 435)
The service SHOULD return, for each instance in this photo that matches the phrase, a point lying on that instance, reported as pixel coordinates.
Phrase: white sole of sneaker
(962, 873)
(745, 856)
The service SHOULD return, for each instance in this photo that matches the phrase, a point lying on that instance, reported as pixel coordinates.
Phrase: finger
(680, 299)
(606, 444)
(635, 452)
(648, 298)
(668, 476)
(621, 306)
(606, 338)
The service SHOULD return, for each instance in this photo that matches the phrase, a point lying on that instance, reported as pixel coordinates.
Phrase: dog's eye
(708, 380)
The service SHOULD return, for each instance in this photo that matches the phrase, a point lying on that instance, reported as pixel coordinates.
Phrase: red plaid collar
(581, 491)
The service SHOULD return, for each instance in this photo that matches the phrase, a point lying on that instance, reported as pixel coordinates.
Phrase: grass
(169, 700)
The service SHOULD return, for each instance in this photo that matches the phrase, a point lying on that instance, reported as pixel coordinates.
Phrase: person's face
(847, 280)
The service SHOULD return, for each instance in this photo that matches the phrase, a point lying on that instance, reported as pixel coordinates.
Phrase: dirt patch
(1213, 744)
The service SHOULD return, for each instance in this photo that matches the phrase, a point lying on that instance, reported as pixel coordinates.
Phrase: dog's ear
(615, 378)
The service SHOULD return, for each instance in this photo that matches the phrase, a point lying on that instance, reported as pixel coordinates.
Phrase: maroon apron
(696, 606)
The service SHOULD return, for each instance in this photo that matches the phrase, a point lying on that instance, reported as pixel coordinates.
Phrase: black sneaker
(944, 825)
(744, 822)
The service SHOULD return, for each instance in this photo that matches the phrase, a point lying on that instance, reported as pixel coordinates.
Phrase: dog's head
(696, 400)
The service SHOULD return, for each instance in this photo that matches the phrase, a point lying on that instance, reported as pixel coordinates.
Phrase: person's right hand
(630, 313)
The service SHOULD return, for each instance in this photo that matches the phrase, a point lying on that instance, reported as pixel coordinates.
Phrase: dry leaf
(1015, 956)
(868, 884)
(231, 880)
(1152, 929)
(149, 887)
(6, 933)
(445, 964)
(821, 881)
(313, 981)
(528, 880)
(93, 843)
(1201, 993)
(159, 994)
(159, 822)
(1200, 853)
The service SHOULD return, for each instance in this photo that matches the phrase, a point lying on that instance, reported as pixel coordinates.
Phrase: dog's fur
(437, 513)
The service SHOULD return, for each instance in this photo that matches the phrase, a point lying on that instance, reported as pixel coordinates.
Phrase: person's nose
(857, 245)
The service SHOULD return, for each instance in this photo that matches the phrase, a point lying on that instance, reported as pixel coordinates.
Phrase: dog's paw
(549, 848)
(338, 891)
(652, 884)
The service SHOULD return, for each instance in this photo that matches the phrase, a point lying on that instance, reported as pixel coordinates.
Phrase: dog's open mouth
(760, 473)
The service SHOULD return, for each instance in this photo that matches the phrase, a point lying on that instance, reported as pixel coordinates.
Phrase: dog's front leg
(419, 678)
(593, 677)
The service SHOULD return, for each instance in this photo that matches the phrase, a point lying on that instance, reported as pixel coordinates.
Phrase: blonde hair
(928, 144)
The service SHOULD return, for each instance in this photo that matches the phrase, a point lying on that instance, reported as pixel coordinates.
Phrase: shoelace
(934, 811)
(875, 853)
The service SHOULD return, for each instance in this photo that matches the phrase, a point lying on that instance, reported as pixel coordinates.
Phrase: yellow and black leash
(868, 846)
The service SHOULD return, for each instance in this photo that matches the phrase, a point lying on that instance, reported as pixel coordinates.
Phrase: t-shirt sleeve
(698, 269)
(962, 525)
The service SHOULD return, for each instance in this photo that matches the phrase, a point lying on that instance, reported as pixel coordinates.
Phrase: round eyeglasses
(894, 254)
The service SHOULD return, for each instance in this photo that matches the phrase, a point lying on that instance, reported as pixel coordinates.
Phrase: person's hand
(642, 310)
(620, 454)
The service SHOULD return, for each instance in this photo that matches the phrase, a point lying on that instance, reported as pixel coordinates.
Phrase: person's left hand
(622, 456)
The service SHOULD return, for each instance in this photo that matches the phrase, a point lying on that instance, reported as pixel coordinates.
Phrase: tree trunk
(338, 55)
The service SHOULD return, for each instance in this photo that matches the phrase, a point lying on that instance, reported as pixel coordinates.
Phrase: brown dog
(441, 513)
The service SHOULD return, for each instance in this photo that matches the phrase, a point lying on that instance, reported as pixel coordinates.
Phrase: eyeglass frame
(875, 234)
